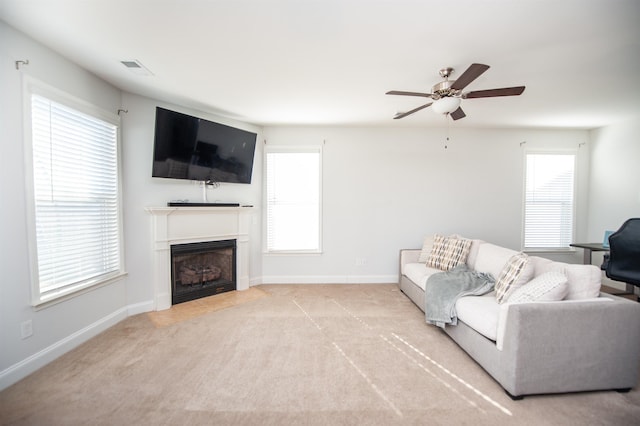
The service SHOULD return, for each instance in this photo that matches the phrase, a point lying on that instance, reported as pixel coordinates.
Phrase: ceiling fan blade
(491, 93)
(474, 71)
(398, 92)
(404, 114)
(458, 114)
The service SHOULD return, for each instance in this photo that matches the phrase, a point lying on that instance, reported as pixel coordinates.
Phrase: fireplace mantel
(182, 225)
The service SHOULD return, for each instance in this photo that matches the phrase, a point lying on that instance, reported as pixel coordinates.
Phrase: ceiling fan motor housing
(444, 90)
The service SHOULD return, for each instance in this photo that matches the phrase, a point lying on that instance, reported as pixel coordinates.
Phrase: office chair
(623, 261)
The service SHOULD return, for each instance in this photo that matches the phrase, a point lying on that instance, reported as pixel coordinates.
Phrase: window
(549, 201)
(76, 198)
(293, 194)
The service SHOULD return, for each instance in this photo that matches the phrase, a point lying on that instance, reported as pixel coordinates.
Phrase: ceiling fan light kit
(445, 105)
(447, 95)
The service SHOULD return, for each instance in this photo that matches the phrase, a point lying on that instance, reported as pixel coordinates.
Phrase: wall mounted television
(187, 147)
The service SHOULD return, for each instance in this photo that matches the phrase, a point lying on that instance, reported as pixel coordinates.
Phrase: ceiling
(330, 62)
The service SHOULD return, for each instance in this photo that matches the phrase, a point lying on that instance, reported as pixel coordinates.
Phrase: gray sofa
(587, 341)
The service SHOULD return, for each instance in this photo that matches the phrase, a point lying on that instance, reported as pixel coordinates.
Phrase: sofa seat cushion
(419, 273)
(480, 313)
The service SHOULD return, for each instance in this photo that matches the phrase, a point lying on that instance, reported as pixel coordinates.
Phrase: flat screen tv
(193, 148)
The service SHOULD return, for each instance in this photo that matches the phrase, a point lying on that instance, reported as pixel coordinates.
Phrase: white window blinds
(293, 200)
(76, 200)
(549, 201)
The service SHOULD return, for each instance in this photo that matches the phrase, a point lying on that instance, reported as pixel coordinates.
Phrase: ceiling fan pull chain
(446, 143)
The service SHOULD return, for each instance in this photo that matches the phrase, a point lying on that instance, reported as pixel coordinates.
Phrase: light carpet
(195, 308)
(306, 354)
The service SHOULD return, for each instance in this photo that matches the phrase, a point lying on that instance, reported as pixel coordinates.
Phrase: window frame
(292, 149)
(41, 299)
(574, 154)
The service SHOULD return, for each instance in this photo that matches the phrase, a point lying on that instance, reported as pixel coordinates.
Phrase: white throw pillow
(550, 286)
(516, 273)
(448, 252)
(583, 281)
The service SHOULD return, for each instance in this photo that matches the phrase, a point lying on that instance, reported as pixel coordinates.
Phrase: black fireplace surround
(202, 269)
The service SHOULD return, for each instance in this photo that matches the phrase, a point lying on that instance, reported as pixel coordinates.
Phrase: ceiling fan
(448, 94)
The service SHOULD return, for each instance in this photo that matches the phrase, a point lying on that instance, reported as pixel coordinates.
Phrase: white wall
(615, 177)
(614, 181)
(59, 327)
(386, 188)
(141, 190)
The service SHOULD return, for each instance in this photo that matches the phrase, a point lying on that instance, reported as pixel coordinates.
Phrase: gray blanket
(444, 288)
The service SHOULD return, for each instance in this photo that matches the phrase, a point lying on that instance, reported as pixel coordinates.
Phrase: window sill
(550, 250)
(293, 253)
(55, 297)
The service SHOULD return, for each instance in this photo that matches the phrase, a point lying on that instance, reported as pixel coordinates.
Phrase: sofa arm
(408, 256)
(561, 345)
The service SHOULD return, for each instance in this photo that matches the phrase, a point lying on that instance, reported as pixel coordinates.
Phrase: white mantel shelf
(184, 225)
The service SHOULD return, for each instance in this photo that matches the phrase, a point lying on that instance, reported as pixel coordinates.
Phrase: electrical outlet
(26, 329)
(361, 261)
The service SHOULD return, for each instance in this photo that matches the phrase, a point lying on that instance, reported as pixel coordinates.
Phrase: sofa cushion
(427, 245)
(448, 252)
(516, 273)
(473, 253)
(480, 313)
(419, 273)
(549, 286)
(583, 281)
(492, 258)
(540, 264)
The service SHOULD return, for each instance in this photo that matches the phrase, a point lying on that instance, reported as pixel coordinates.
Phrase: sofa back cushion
(583, 281)
(540, 264)
(427, 245)
(473, 253)
(492, 258)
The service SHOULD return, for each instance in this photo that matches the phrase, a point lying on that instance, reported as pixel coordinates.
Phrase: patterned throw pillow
(448, 252)
(550, 286)
(508, 280)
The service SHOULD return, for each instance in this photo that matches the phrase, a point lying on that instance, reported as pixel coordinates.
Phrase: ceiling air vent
(136, 67)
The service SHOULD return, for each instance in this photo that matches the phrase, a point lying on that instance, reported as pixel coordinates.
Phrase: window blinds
(549, 201)
(293, 201)
(75, 176)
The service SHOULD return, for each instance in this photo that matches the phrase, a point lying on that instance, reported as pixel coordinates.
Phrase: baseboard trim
(329, 279)
(29, 365)
(140, 308)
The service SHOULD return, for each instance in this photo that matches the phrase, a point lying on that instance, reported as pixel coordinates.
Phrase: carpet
(195, 308)
(304, 354)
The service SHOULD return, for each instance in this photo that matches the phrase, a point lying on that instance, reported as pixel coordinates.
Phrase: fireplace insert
(202, 269)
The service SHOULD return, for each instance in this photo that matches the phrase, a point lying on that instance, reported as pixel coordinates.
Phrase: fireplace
(187, 225)
(202, 269)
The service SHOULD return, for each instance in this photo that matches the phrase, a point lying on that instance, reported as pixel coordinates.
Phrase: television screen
(188, 147)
